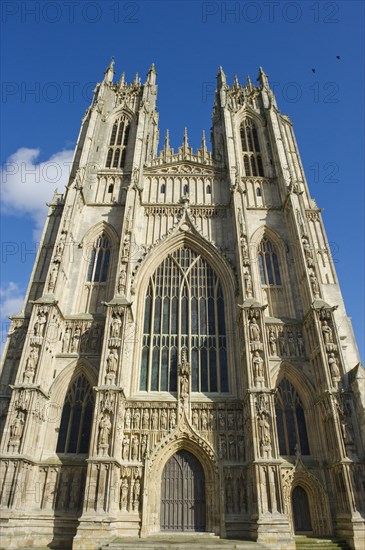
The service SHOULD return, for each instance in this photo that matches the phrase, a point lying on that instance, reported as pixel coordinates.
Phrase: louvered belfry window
(252, 160)
(184, 311)
(118, 143)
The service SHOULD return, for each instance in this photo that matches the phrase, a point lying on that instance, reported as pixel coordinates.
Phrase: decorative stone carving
(104, 433)
(258, 368)
(75, 342)
(272, 343)
(264, 427)
(255, 332)
(125, 447)
(307, 251)
(16, 431)
(112, 366)
(53, 277)
(248, 283)
(66, 339)
(40, 323)
(314, 283)
(31, 365)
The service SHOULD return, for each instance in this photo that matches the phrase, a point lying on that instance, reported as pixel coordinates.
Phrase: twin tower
(183, 361)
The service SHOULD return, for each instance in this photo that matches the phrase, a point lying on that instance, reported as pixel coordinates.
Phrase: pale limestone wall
(301, 332)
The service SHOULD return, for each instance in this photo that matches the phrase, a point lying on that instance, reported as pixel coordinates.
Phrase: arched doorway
(183, 494)
(301, 514)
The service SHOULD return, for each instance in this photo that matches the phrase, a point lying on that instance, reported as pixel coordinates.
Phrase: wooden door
(301, 514)
(183, 494)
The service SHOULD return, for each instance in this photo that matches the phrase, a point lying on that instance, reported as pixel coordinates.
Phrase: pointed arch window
(269, 264)
(252, 159)
(99, 260)
(290, 420)
(184, 310)
(118, 143)
(76, 420)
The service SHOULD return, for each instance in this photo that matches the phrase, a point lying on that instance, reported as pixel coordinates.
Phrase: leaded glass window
(99, 261)
(252, 159)
(184, 310)
(118, 143)
(290, 420)
(268, 264)
(75, 428)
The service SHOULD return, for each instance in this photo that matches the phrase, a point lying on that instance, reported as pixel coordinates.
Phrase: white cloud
(27, 184)
(11, 298)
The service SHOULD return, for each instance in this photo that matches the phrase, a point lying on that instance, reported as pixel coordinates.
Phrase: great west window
(184, 311)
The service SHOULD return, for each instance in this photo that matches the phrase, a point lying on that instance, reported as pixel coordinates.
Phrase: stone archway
(182, 494)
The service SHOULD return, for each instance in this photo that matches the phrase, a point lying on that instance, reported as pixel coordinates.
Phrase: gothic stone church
(183, 361)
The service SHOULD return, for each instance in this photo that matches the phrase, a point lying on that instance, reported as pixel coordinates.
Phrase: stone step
(310, 543)
(198, 541)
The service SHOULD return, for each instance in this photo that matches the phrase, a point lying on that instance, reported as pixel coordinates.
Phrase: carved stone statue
(66, 340)
(112, 365)
(127, 420)
(143, 446)
(257, 363)
(40, 323)
(124, 490)
(53, 277)
(136, 419)
(264, 436)
(115, 326)
(145, 419)
(122, 281)
(248, 283)
(16, 431)
(105, 426)
(136, 493)
(307, 251)
(255, 332)
(31, 365)
(163, 420)
(314, 283)
(327, 333)
(272, 342)
(125, 445)
(135, 447)
(172, 421)
(75, 343)
(300, 342)
(155, 419)
(204, 419)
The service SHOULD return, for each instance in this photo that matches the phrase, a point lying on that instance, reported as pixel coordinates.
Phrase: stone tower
(183, 360)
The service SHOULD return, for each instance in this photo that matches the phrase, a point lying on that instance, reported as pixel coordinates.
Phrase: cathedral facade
(183, 361)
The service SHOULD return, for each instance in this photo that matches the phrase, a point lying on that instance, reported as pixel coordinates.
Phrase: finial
(221, 77)
(136, 80)
(109, 72)
(204, 143)
(185, 142)
(122, 80)
(152, 69)
(235, 82)
(262, 78)
(167, 140)
(248, 82)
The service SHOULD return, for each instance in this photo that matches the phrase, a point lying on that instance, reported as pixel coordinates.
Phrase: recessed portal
(301, 514)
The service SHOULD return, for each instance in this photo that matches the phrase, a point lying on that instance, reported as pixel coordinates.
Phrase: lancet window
(184, 311)
(76, 420)
(118, 143)
(99, 260)
(268, 264)
(252, 159)
(290, 419)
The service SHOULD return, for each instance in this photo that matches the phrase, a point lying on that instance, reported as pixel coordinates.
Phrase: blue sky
(53, 53)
